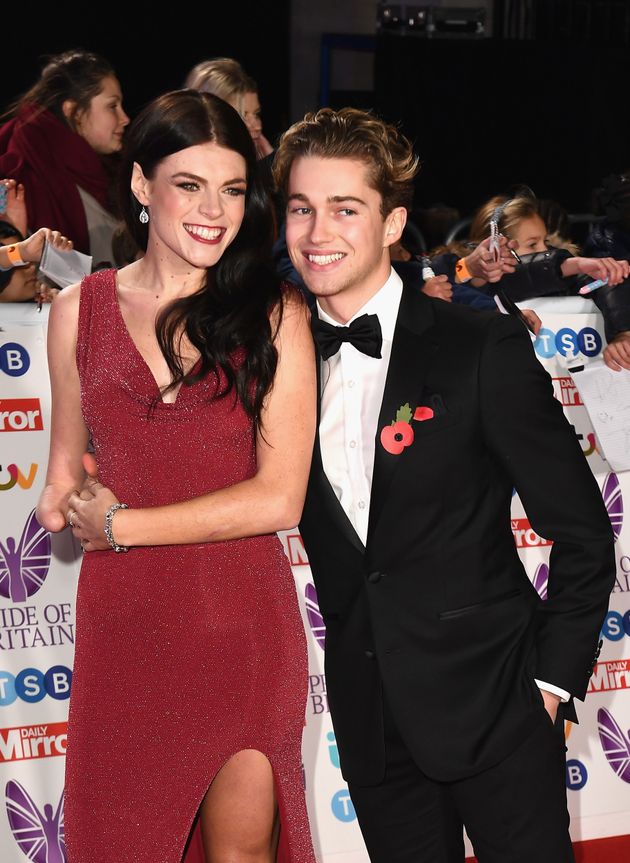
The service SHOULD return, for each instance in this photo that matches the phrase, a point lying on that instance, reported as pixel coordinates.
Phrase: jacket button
(369, 654)
(374, 577)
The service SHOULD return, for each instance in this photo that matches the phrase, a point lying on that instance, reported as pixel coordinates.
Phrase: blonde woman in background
(226, 78)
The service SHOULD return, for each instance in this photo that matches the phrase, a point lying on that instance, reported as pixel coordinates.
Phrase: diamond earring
(144, 216)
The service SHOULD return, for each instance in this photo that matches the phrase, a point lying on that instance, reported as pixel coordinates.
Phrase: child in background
(541, 269)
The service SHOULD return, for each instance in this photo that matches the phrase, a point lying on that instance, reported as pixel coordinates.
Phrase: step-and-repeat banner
(38, 574)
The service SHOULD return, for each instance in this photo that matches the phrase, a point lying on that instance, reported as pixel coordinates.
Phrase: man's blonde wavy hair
(352, 134)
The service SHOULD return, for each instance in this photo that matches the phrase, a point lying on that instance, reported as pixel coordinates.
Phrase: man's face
(336, 235)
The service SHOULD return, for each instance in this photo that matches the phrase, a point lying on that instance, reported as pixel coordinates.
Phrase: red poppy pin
(398, 435)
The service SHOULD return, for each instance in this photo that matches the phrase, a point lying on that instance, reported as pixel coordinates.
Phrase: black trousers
(514, 812)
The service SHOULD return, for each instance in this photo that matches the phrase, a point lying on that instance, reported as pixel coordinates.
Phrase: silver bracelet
(109, 515)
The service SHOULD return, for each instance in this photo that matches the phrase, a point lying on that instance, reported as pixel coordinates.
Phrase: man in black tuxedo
(445, 671)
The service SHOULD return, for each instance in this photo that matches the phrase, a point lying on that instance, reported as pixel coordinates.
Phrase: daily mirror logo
(525, 536)
(20, 415)
(566, 392)
(33, 741)
(609, 676)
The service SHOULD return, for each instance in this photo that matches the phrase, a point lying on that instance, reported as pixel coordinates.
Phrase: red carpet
(615, 849)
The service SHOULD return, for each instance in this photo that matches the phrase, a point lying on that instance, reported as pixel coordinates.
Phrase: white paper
(64, 268)
(606, 396)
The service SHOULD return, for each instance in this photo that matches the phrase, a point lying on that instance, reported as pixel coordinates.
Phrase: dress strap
(96, 313)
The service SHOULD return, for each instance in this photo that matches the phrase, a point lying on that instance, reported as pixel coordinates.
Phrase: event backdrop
(38, 574)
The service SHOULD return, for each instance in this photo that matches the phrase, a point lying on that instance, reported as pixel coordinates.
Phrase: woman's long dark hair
(75, 75)
(231, 311)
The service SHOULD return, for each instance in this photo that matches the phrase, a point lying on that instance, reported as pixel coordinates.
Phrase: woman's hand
(87, 514)
(87, 508)
(32, 248)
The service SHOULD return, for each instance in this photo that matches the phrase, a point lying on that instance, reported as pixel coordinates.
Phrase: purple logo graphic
(615, 743)
(316, 621)
(614, 502)
(39, 836)
(541, 576)
(23, 568)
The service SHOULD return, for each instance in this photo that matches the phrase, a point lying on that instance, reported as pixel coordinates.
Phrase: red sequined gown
(185, 655)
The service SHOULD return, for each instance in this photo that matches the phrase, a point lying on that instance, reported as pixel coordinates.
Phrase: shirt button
(374, 577)
(361, 504)
(369, 654)
(353, 443)
(350, 384)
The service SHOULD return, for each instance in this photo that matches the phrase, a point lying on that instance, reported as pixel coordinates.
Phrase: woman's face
(530, 236)
(102, 124)
(196, 203)
(248, 106)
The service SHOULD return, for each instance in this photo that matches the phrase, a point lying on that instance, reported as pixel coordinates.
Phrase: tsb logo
(32, 685)
(20, 415)
(14, 359)
(342, 807)
(586, 341)
(616, 625)
(576, 775)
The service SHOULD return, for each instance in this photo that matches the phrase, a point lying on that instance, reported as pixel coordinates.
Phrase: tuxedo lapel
(415, 342)
(318, 482)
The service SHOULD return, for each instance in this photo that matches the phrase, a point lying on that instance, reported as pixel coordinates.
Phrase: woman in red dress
(193, 375)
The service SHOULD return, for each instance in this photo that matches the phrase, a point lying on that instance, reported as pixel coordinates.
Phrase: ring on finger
(70, 519)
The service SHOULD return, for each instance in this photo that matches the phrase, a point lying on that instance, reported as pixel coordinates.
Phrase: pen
(593, 286)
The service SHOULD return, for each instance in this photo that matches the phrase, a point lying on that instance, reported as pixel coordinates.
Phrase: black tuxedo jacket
(437, 612)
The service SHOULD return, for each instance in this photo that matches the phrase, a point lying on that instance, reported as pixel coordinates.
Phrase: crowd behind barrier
(38, 573)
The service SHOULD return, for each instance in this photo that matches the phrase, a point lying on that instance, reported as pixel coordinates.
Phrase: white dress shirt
(351, 394)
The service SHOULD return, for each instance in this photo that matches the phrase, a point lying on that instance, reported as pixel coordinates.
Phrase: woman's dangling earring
(144, 216)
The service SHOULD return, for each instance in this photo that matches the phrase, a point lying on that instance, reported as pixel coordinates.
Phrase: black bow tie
(364, 333)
